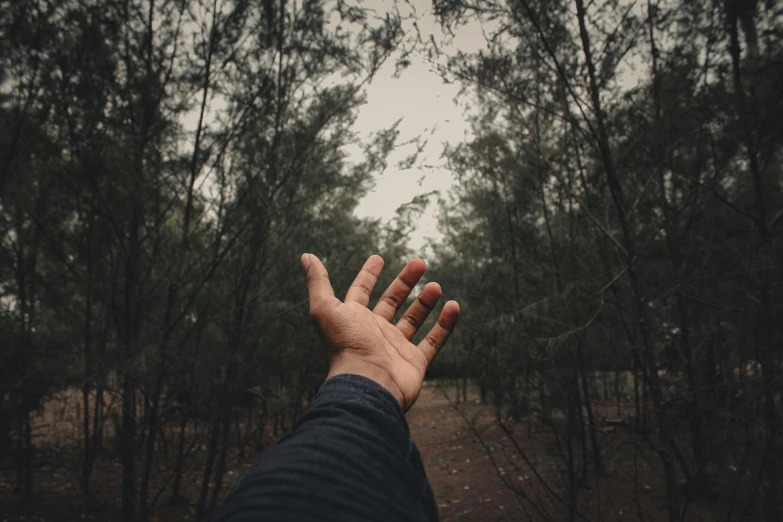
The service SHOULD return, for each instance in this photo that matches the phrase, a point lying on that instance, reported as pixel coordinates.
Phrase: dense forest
(613, 239)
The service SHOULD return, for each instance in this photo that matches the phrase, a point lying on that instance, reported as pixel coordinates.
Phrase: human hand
(363, 342)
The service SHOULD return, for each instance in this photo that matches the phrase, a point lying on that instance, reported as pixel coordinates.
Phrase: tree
(633, 208)
(160, 159)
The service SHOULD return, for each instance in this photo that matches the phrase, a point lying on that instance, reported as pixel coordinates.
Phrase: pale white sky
(428, 108)
(424, 103)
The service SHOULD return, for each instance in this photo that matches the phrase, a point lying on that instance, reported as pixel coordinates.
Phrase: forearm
(350, 457)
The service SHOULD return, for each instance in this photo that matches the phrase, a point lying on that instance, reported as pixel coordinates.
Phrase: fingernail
(306, 261)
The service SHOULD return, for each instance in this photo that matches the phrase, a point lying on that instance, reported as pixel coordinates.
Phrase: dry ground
(473, 471)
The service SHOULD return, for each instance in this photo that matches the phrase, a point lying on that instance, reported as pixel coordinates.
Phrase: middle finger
(400, 289)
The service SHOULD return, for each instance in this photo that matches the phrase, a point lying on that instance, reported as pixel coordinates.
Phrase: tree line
(615, 239)
(164, 164)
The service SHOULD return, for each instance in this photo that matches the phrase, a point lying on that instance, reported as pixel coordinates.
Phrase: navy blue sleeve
(350, 457)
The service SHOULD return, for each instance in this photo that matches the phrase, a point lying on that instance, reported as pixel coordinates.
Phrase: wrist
(351, 366)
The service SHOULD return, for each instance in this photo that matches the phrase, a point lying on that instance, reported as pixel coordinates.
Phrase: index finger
(318, 285)
(362, 286)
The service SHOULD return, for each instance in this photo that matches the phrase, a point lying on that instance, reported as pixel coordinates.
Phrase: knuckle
(427, 307)
(363, 287)
(391, 300)
(410, 319)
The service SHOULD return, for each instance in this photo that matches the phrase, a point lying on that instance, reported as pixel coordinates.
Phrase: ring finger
(417, 312)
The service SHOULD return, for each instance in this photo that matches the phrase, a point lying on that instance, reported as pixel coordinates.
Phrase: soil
(466, 484)
(475, 471)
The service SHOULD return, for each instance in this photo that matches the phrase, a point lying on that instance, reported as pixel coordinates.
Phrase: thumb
(318, 285)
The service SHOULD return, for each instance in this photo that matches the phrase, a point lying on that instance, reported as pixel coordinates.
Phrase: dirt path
(466, 484)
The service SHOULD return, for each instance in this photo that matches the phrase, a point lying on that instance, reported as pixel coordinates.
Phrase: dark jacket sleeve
(350, 457)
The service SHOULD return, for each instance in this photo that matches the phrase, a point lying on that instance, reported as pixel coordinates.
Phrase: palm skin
(364, 342)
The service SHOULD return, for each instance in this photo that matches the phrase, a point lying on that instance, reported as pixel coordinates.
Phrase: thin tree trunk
(23, 399)
(645, 394)
(87, 444)
(28, 458)
(99, 416)
(128, 432)
(220, 468)
(261, 425)
(582, 429)
(212, 448)
(149, 454)
(637, 421)
(573, 490)
(127, 450)
(589, 407)
(88, 456)
(528, 401)
(542, 399)
(180, 462)
(700, 481)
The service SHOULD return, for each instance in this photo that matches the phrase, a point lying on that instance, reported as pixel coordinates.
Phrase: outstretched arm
(350, 457)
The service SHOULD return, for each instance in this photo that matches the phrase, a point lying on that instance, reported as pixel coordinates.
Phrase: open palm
(364, 342)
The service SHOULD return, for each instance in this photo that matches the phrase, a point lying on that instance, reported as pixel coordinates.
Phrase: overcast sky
(427, 108)
(424, 103)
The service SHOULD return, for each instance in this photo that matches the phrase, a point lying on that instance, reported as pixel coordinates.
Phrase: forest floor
(476, 473)
(466, 484)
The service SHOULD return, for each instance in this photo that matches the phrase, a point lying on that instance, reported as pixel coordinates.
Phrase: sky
(427, 107)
